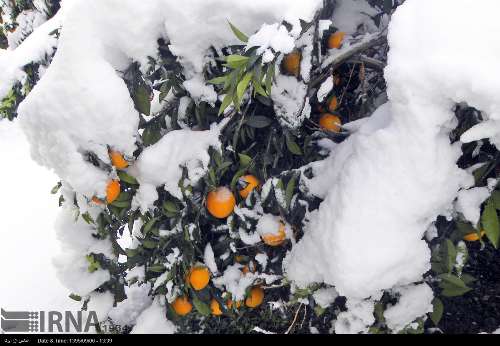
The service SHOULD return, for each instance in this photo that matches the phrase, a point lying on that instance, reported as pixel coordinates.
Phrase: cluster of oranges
(221, 202)
(199, 278)
(113, 188)
(291, 64)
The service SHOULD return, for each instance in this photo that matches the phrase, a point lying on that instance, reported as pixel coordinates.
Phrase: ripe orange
(474, 236)
(333, 103)
(330, 122)
(273, 239)
(248, 268)
(112, 191)
(97, 200)
(229, 304)
(335, 40)
(118, 160)
(182, 306)
(199, 278)
(215, 307)
(255, 298)
(291, 63)
(221, 202)
(251, 183)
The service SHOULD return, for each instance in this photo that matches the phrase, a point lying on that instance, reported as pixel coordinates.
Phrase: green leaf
(490, 223)
(236, 61)
(164, 90)
(495, 199)
(121, 204)
(201, 307)
(452, 286)
(241, 36)
(149, 225)
(149, 244)
(292, 146)
(258, 121)
(290, 189)
(437, 312)
(141, 100)
(127, 178)
(218, 80)
(269, 78)
(228, 99)
(450, 255)
(56, 188)
(245, 160)
(157, 268)
(171, 207)
(243, 85)
(87, 218)
(75, 297)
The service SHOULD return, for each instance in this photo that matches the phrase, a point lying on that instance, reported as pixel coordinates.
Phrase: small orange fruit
(474, 236)
(255, 297)
(118, 160)
(97, 200)
(333, 103)
(215, 307)
(248, 268)
(330, 122)
(335, 40)
(229, 304)
(112, 191)
(199, 278)
(291, 63)
(251, 183)
(221, 202)
(182, 306)
(337, 80)
(273, 239)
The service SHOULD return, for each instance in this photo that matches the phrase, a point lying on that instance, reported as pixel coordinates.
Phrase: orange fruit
(474, 236)
(221, 202)
(199, 278)
(97, 200)
(215, 307)
(248, 268)
(330, 122)
(291, 63)
(229, 304)
(112, 191)
(255, 297)
(337, 80)
(118, 160)
(333, 103)
(335, 40)
(273, 239)
(251, 183)
(182, 306)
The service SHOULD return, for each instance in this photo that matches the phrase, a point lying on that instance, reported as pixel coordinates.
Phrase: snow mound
(388, 182)
(154, 320)
(82, 105)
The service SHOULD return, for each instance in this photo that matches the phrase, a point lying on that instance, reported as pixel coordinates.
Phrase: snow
(126, 312)
(357, 319)
(469, 203)
(324, 297)
(28, 243)
(350, 14)
(153, 320)
(209, 259)
(386, 184)
(290, 101)
(415, 301)
(76, 242)
(268, 225)
(33, 48)
(325, 88)
(273, 36)
(162, 163)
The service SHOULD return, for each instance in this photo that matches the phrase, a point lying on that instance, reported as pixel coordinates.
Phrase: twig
(294, 319)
